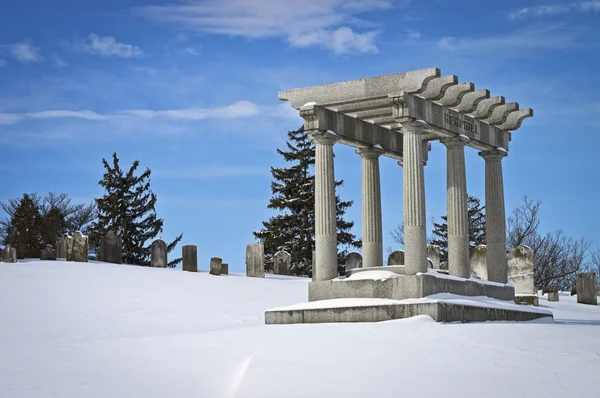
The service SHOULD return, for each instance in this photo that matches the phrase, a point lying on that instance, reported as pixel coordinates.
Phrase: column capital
(457, 141)
(493, 154)
(322, 137)
(413, 127)
(371, 152)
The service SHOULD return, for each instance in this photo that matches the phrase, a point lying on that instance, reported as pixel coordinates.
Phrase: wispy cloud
(321, 23)
(58, 62)
(108, 46)
(22, 52)
(547, 10)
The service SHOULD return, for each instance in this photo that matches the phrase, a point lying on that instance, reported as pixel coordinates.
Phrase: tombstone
(479, 262)
(9, 254)
(224, 269)
(282, 262)
(61, 247)
(353, 260)
(552, 296)
(158, 254)
(111, 248)
(48, 253)
(434, 254)
(520, 270)
(396, 258)
(586, 288)
(190, 258)
(255, 260)
(215, 266)
(77, 247)
(549, 289)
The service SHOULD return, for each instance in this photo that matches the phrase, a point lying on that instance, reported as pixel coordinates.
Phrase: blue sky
(190, 89)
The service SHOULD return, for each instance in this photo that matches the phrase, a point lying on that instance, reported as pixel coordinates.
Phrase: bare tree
(523, 224)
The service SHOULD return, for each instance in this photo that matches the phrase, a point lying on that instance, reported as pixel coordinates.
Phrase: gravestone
(224, 269)
(255, 260)
(479, 262)
(520, 270)
(111, 248)
(586, 288)
(215, 266)
(282, 262)
(396, 258)
(433, 253)
(61, 247)
(353, 260)
(48, 253)
(190, 258)
(552, 296)
(9, 254)
(77, 247)
(158, 254)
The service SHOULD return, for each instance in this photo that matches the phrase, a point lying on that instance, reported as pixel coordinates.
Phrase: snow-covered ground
(102, 330)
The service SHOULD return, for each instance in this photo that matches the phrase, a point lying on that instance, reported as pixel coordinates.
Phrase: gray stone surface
(586, 288)
(553, 296)
(9, 254)
(439, 311)
(478, 260)
(396, 258)
(189, 258)
(527, 299)
(48, 253)
(372, 235)
(111, 248)
(353, 260)
(282, 262)
(158, 254)
(433, 253)
(520, 270)
(314, 261)
(215, 266)
(224, 269)
(77, 247)
(255, 260)
(61, 247)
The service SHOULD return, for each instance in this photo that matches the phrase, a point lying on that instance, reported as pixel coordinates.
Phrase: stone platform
(449, 308)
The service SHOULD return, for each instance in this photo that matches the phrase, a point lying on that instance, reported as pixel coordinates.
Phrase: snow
(374, 275)
(103, 330)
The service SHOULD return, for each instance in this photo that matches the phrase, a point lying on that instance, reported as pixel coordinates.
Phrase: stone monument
(586, 288)
(520, 274)
(9, 254)
(433, 253)
(282, 261)
(478, 262)
(158, 254)
(190, 258)
(61, 247)
(77, 247)
(48, 253)
(224, 269)
(215, 266)
(353, 260)
(396, 258)
(255, 260)
(111, 248)
(552, 292)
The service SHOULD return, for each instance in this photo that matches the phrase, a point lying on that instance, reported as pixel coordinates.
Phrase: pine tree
(476, 229)
(127, 208)
(53, 225)
(24, 229)
(293, 191)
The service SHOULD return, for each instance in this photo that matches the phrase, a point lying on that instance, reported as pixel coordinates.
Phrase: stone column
(495, 225)
(326, 266)
(456, 207)
(372, 235)
(415, 235)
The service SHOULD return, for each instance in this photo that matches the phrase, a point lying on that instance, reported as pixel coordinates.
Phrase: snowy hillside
(102, 330)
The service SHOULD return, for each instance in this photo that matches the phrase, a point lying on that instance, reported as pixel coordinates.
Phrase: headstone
(111, 248)
(158, 254)
(396, 258)
(61, 247)
(552, 296)
(429, 263)
(283, 262)
(479, 262)
(190, 258)
(77, 247)
(549, 289)
(520, 270)
(9, 254)
(586, 288)
(224, 269)
(353, 260)
(215, 266)
(255, 260)
(48, 253)
(434, 254)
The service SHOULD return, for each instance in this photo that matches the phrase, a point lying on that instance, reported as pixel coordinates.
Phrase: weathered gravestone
(224, 269)
(48, 253)
(190, 258)
(77, 247)
(282, 262)
(111, 248)
(520, 273)
(158, 254)
(479, 262)
(61, 247)
(215, 266)
(552, 296)
(552, 292)
(353, 260)
(9, 254)
(586, 288)
(396, 258)
(255, 260)
(433, 253)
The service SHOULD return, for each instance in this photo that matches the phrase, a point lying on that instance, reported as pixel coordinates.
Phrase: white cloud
(547, 10)
(193, 50)
(108, 46)
(322, 23)
(236, 110)
(22, 52)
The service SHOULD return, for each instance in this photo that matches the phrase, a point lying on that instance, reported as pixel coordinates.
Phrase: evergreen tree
(476, 229)
(53, 225)
(293, 191)
(127, 208)
(23, 231)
